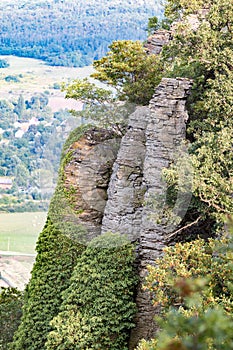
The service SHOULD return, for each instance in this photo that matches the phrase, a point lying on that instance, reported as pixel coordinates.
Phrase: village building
(6, 182)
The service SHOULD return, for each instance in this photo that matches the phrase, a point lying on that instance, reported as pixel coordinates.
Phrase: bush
(4, 63)
(193, 284)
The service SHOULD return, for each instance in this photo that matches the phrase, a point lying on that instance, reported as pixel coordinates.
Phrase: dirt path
(15, 269)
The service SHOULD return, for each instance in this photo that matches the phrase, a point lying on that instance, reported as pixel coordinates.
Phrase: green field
(35, 76)
(19, 231)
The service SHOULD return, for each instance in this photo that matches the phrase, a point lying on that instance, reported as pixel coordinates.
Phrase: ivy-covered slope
(98, 300)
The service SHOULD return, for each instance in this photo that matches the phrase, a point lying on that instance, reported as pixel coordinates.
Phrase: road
(6, 253)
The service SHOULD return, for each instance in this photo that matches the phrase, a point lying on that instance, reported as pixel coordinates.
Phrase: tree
(201, 49)
(20, 107)
(193, 285)
(4, 64)
(153, 25)
(129, 69)
(101, 107)
(98, 307)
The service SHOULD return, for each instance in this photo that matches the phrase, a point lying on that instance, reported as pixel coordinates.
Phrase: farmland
(18, 235)
(34, 76)
(19, 231)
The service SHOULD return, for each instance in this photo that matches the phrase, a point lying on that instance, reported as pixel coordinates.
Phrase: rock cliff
(155, 42)
(148, 146)
(111, 182)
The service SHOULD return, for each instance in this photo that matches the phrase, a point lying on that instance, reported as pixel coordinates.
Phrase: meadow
(35, 76)
(19, 231)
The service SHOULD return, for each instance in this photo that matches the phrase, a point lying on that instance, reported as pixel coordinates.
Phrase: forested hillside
(71, 33)
(31, 138)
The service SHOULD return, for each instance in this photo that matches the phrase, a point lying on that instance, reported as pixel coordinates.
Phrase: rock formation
(156, 41)
(164, 133)
(111, 190)
(147, 147)
(79, 201)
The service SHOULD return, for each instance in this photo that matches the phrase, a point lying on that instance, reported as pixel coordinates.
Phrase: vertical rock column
(78, 205)
(123, 210)
(165, 130)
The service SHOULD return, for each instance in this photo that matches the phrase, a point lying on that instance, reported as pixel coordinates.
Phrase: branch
(211, 204)
(184, 227)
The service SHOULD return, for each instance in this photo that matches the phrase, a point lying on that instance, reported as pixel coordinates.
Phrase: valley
(18, 236)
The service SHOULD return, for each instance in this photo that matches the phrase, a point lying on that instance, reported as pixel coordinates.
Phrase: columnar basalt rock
(147, 148)
(164, 133)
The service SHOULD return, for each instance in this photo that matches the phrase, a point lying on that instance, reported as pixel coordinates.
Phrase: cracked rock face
(86, 177)
(155, 42)
(164, 132)
(126, 190)
(148, 147)
(111, 182)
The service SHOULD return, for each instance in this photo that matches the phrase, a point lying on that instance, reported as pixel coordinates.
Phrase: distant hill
(71, 33)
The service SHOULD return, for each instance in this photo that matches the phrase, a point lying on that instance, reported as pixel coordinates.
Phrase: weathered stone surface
(126, 192)
(156, 41)
(168, 111)
(85, 180)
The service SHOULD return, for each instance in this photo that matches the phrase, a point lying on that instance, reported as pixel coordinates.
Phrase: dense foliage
(56, 258)
(130, 70)
(201, 49)
(193, 285)
(11, 302)
(98, 308)
(70, 33)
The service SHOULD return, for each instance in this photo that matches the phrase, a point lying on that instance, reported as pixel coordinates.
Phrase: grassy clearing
(19, 231)
(35, 76)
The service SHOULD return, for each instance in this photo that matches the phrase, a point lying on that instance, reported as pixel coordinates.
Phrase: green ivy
(11, 302)
(56, 258)
(98, 307)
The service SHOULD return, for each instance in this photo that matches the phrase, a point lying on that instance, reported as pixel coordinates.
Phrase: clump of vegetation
(11, 302)
(56, 258)
(129, 69)
(193, 285)
(4, 63)
(98, 308)
(12, 78)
